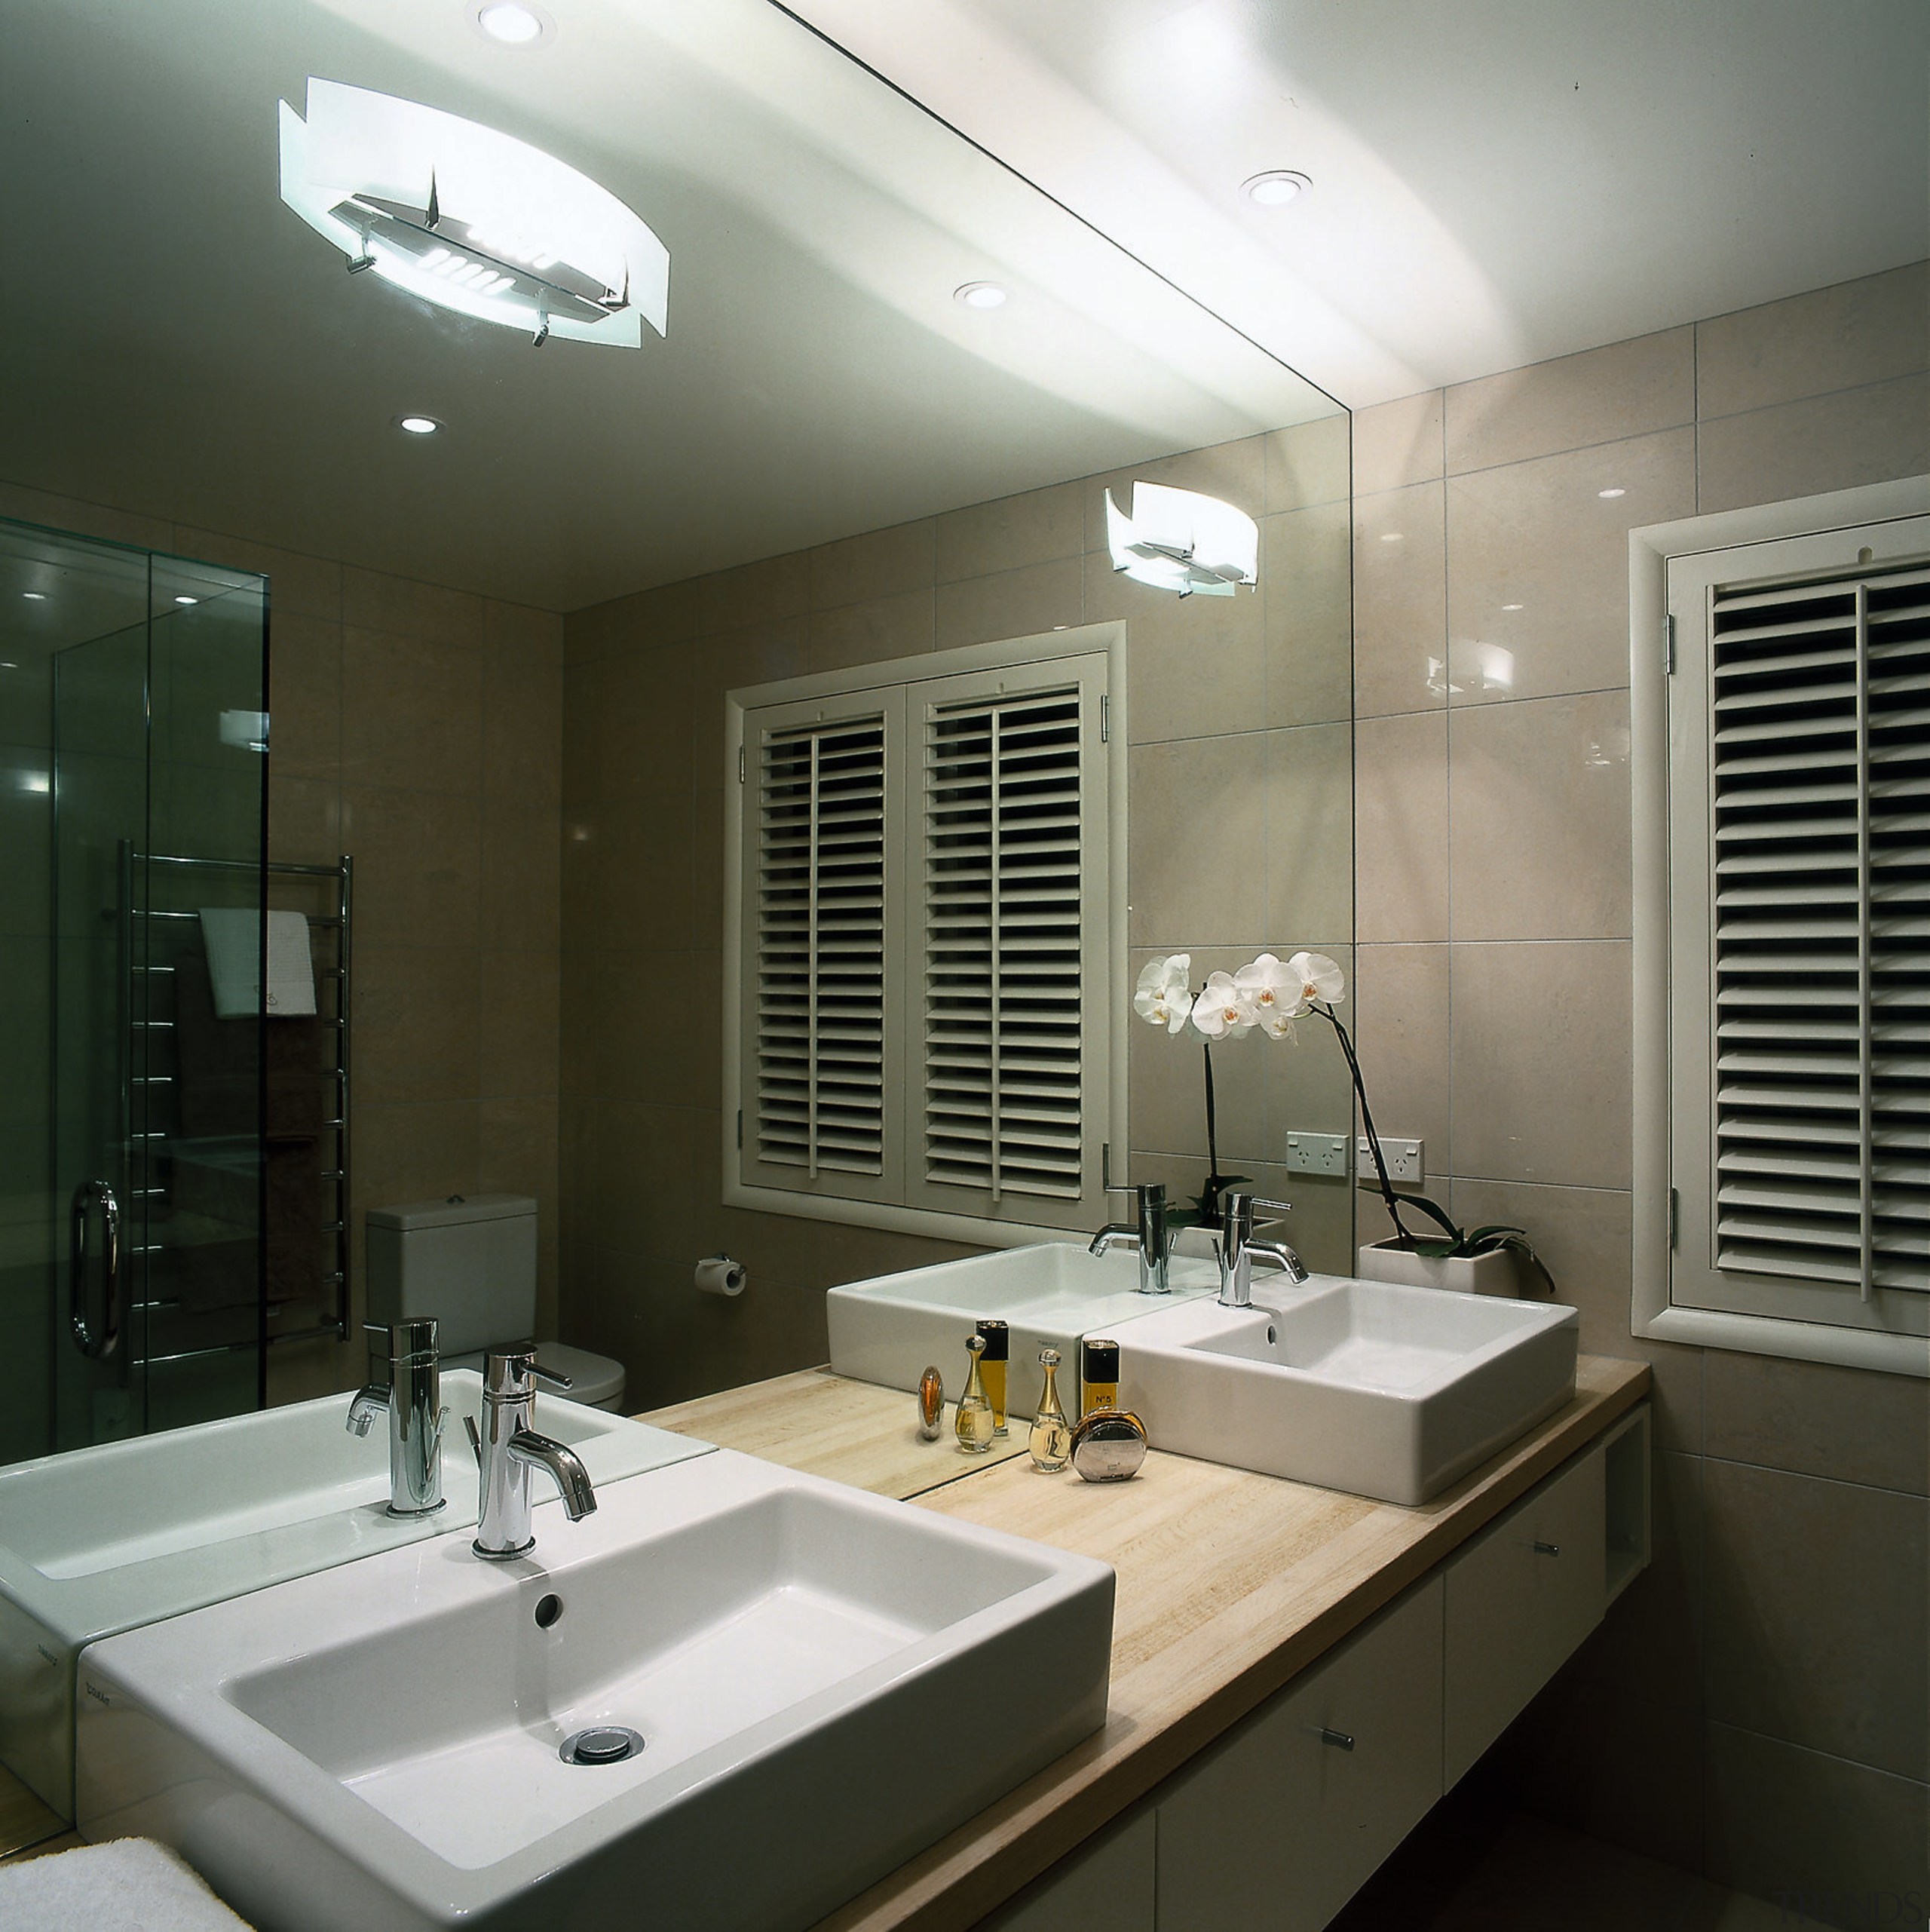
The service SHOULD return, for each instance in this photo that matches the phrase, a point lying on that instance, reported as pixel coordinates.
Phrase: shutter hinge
(1674, 1206)
(1669, 644)
(740, 1130)
(1105, 717)
(740, 764)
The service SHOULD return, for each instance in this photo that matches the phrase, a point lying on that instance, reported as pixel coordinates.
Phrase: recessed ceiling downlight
(981, 295)
(1275, 187)
(417, 425)
(513, 23)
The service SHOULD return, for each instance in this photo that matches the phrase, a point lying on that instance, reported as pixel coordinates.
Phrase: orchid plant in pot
(1270, 995)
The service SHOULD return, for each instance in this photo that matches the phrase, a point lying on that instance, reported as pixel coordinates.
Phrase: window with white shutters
(1799, 917)
(927, 952)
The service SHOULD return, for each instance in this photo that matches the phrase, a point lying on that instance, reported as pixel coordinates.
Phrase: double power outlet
(1327, 1154)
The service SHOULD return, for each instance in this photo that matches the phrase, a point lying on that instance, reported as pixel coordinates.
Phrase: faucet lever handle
(512, 1373)
(475, 1440)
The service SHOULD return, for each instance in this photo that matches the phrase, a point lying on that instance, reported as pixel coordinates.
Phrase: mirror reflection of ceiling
(178, 342)
(1495, 182)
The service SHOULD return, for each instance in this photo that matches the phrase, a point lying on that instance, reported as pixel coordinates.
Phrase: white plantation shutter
(1801, 1022)
(1012, 858)
(818, 1068)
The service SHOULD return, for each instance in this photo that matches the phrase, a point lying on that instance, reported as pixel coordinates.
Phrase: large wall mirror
(499, 652)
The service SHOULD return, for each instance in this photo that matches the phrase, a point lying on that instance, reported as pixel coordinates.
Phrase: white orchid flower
(1318, 977)
(1223, 1011)
(1276, 995)
(1164, 997)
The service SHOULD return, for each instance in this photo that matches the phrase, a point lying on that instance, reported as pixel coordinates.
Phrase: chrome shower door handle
(95, 1343)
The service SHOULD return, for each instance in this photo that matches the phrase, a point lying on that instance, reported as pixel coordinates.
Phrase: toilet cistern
(412, 1402)
(507, 1449)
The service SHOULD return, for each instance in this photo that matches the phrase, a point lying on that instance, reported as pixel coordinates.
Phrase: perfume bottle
(1051, 1443)
(1098, 1375)
(993, 1366)
(973, 1425)
(931, 1404)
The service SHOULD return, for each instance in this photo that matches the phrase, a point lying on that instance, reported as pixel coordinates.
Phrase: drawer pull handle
(1546, 1549)
(1339, 1739)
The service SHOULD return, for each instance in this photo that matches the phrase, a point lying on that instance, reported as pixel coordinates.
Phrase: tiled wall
(1239, 840)
(419, 729)
(1758, 1708)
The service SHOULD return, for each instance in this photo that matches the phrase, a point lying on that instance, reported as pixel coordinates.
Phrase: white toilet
(470, 1262)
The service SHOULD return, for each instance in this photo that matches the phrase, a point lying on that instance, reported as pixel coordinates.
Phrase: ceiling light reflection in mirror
(821, 381)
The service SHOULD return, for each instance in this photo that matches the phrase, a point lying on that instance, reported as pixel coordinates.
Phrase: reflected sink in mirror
(888, 1329)
(1382, 1391)
(105, 1539)
(824, 1682)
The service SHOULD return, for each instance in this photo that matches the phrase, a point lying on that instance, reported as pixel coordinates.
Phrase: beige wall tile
(732, 660)
(899, 626)
(1539, 793)
(671, 614)
(579, 737)
(1011, 533)
(1841, 1423)
(647, 1162)
(522, 715)
(1542, 1061)
(1192, 866)
(519, 1023)
(1309, 464)
(1401, 820)
(516, 1153)
(1398, 1015)
(418, 865)
(1305, 593)
(1838, 338)
(1397, 443)
(1235, 472)
(1538, 565)
(1024, 603)
(87, 520)
(779, 587)
(1629, 388)
(641, 706)
(1308, 858)
(299, 586)
(1784, 1823)
(707, 869)
(522, 876)
(1819, 1600)
(1400, 601)
(533, 634)
(644, 887)
(1194, 666)
(412, 1152)
(636, 1055)
(304, 819)
(414, 1035)
(372, 601)
(1857, 436)
(412, 713)
(304, 697)
(881, 563)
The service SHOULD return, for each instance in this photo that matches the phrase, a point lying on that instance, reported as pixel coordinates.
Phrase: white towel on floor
(232, 936)
(128, 1885)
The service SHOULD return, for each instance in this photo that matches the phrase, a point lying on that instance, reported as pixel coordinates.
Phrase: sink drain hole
(548, 1609)
(602, 1744)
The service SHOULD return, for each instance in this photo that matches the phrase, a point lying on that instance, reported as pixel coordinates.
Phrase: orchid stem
(1328, 1013)
(1212, 1133)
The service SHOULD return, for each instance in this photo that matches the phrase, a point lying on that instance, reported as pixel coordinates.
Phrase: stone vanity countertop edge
(1229, 1585)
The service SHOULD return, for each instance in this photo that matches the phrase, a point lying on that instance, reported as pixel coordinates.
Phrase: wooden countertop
(1229, 1584)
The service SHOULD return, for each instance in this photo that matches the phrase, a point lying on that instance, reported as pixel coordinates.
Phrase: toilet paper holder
(718, 1274)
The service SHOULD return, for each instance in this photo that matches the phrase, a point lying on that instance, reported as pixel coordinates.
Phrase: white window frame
(891, 680)
(1654, 1311)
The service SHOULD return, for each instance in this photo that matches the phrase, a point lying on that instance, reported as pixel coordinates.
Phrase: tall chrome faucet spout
(1149, 1235)
(1238, 1249)
(507, 1449)
(412, 1402)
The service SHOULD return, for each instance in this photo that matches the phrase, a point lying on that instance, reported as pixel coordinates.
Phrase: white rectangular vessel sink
(889, 1329)
(825, 1682)
(105, 1539)
(1382, 1391)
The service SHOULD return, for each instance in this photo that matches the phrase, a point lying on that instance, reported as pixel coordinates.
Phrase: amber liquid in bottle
(1098, 1376)
(993, 1366)
(1051, 1440)
(973, 1425)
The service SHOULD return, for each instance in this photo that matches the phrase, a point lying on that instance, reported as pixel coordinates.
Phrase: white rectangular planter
(1494, 1274)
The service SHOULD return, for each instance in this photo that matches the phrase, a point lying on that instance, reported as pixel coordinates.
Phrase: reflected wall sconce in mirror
(1178, 540)
(471, 219)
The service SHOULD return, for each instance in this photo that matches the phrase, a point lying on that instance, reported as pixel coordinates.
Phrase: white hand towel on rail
(232, 936)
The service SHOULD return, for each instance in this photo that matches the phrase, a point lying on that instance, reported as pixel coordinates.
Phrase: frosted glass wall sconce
(471, 219)
(1178, 540)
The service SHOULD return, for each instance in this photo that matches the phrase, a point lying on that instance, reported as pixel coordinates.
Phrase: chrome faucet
(1238, 1249)
(413, 1402)
(509, 1448)
(1150, 1235)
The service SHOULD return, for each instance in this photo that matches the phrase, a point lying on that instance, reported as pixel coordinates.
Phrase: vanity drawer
(1279, 1823)
(1521, 1597)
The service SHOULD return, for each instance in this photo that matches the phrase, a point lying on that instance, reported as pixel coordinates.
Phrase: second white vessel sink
(823, 1682)
(1386, 1391)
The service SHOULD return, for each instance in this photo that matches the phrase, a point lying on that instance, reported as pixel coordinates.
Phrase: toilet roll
(718, 1274)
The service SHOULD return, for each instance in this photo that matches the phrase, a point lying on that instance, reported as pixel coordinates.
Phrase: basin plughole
(105, 1539)
(826, 1683)
(1380, 1390)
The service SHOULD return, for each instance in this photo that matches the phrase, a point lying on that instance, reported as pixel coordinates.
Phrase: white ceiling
(1497, 181)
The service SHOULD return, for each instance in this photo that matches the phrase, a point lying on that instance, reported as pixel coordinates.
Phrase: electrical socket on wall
(1316, 1153)
(1402, 1157)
